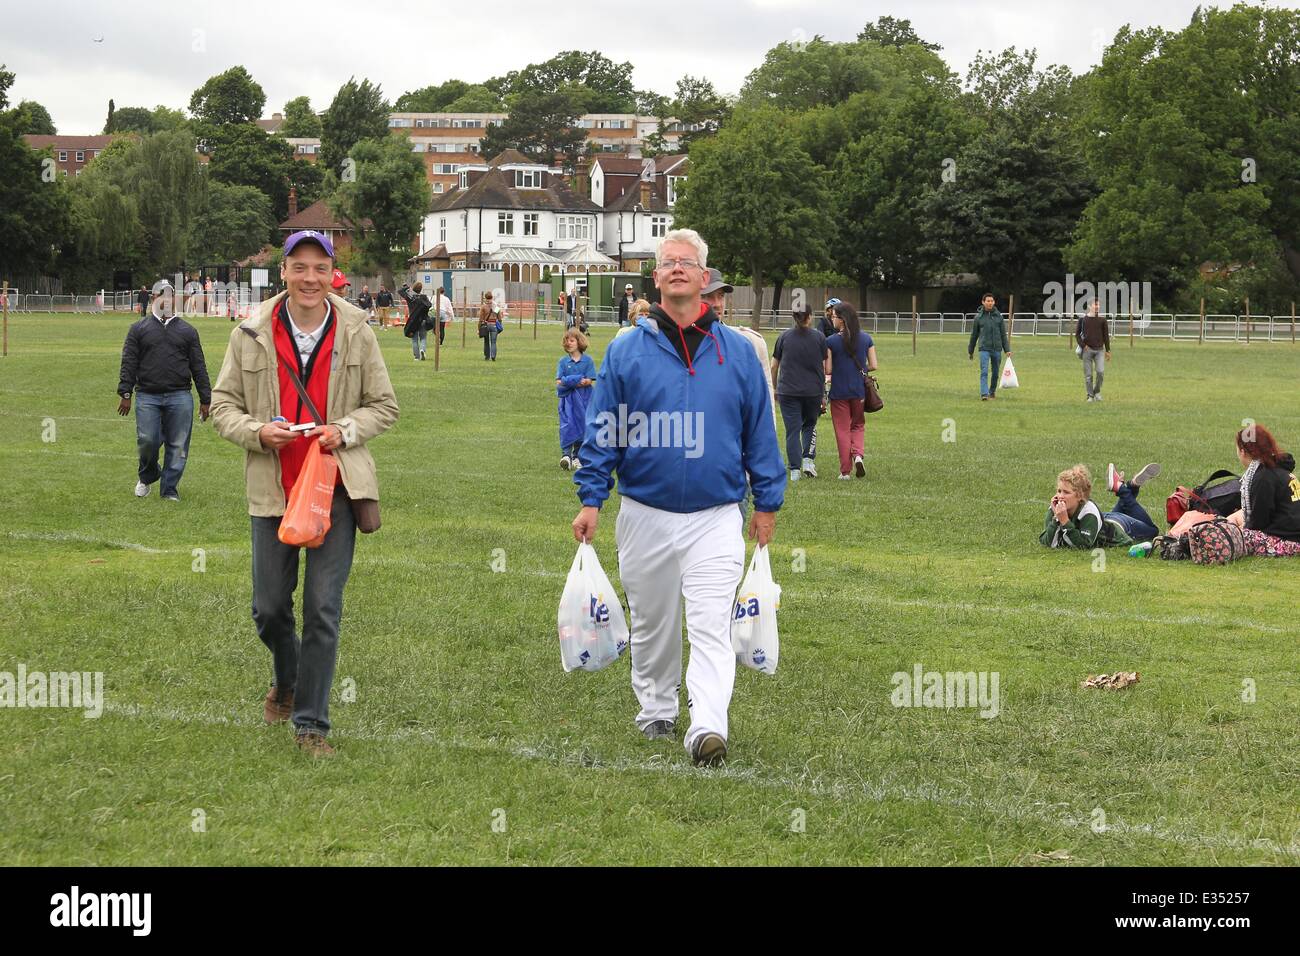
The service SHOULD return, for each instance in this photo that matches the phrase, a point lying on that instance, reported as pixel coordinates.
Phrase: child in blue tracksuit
(574, 378)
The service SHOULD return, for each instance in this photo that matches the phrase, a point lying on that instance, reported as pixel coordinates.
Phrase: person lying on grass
(1075, 521)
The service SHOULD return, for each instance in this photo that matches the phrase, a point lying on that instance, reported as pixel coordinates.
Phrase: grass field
(462, 716)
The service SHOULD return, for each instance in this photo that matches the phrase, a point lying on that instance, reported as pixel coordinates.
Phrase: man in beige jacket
(335, 355)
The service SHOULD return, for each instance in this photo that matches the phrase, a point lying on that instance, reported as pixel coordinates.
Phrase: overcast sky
(159, 53)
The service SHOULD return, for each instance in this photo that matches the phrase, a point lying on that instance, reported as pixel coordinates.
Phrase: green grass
(461, 706)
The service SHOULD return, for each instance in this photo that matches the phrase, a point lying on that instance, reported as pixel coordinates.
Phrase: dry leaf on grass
(1054, 855)
(1116, 681)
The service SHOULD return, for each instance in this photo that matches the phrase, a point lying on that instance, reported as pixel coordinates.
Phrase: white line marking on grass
(81, 539)
(878, 791)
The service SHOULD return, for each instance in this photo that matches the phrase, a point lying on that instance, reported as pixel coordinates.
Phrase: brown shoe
(278, 706)
(315, 745)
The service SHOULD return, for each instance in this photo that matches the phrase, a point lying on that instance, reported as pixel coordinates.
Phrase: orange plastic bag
(307, 518)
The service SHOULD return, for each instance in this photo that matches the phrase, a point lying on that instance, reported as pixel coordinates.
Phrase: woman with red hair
(1270, 495)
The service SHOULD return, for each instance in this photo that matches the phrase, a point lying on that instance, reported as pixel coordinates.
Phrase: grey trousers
(1093, 358)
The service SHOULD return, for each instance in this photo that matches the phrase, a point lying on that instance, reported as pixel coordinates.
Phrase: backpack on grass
(1220, 499)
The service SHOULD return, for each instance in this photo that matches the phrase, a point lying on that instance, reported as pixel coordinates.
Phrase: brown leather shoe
(278, 706)
(315, 745)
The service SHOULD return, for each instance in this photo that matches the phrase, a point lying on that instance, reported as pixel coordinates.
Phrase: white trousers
(664, 557)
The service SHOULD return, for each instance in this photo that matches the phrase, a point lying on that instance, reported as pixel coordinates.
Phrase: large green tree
(358, 112)
(138, 119)
(229, 97)
(697, 102)
(476, 99)
(431, 99)
(1193, 137)
(889, 31)
(300, 119)
(243, 154)
(608, 85)
(232, 222)
(762, 211)
(33, 202)
(385, 202)
(38, 120)
(541, 125)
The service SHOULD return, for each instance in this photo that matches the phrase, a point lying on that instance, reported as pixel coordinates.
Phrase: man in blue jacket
(681, 415)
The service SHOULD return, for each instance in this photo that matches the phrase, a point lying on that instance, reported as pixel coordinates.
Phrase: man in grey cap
(625, 306)
(714, 294)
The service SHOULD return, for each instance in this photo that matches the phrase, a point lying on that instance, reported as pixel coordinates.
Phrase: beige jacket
(247, 396)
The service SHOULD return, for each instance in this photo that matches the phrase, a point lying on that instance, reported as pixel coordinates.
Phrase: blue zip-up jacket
(573, 399)
(679, 441)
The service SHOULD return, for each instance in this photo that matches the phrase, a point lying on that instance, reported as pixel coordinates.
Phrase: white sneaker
(1097, 397)
(859, 468)
(794, 474)
(141, 489)
(846, 477)
(809, 468)
(566, 462)
(576, 464)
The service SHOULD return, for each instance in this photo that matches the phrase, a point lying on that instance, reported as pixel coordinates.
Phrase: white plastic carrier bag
(593, 630)
(1009, 378)
(753, 619)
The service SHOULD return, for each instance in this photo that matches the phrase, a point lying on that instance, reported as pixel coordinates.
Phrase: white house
(637, 197)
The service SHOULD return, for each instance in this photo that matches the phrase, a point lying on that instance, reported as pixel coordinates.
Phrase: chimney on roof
(293, 201)
(646, 186)
(582, 177)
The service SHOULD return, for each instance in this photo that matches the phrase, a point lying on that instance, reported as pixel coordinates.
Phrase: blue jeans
(490, 343)
(990, 372)
(800, 414)
(1137, 524)
(163, 419)
(419, 341)
(306, 667)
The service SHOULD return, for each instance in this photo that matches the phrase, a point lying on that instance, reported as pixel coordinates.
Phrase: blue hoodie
(679, 440)
(574, 399)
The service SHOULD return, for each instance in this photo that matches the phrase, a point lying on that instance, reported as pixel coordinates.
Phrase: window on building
(532, 223)
(419, 124)
(442, 230)
(63, 155)
(437, 187)
(528, 179)
(658, 227)
(464, 179)
(78, 172)
(574, 227)
(672, 188)
(505, 224)
(94, 152)
(81, 155)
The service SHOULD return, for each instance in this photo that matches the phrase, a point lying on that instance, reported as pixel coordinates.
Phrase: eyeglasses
(668, 265)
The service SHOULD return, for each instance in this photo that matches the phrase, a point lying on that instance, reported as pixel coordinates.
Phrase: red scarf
(292, 407)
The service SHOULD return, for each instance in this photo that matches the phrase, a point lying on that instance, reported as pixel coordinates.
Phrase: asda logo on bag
(599, 609)
(759, 657)
(747, 606)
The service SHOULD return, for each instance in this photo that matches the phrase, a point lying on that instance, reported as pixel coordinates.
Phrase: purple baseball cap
(309, 235)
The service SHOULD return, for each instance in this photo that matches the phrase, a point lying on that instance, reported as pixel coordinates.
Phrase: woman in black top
(1270, 495)
(798, 374)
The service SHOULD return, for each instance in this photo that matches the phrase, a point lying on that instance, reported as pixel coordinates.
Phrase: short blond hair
(1080, 479)
(691, 238)
(641, 307)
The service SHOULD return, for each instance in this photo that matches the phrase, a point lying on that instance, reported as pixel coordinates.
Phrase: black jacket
(158, 358)
(1275, 501)
(384, 299)
(365, 301)
(417, 318)
(624, 308)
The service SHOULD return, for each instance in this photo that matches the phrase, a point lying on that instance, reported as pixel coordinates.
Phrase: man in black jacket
(384, 303)
(417, 318)
(161, 355)
(625, 306)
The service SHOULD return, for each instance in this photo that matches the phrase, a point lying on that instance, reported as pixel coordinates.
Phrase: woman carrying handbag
(850, 356)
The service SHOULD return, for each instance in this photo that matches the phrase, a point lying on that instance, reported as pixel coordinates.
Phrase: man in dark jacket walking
(161, 355)
(990, 332)
(625, 306)
(1092, 333)
(142, 300)
(417, 318)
